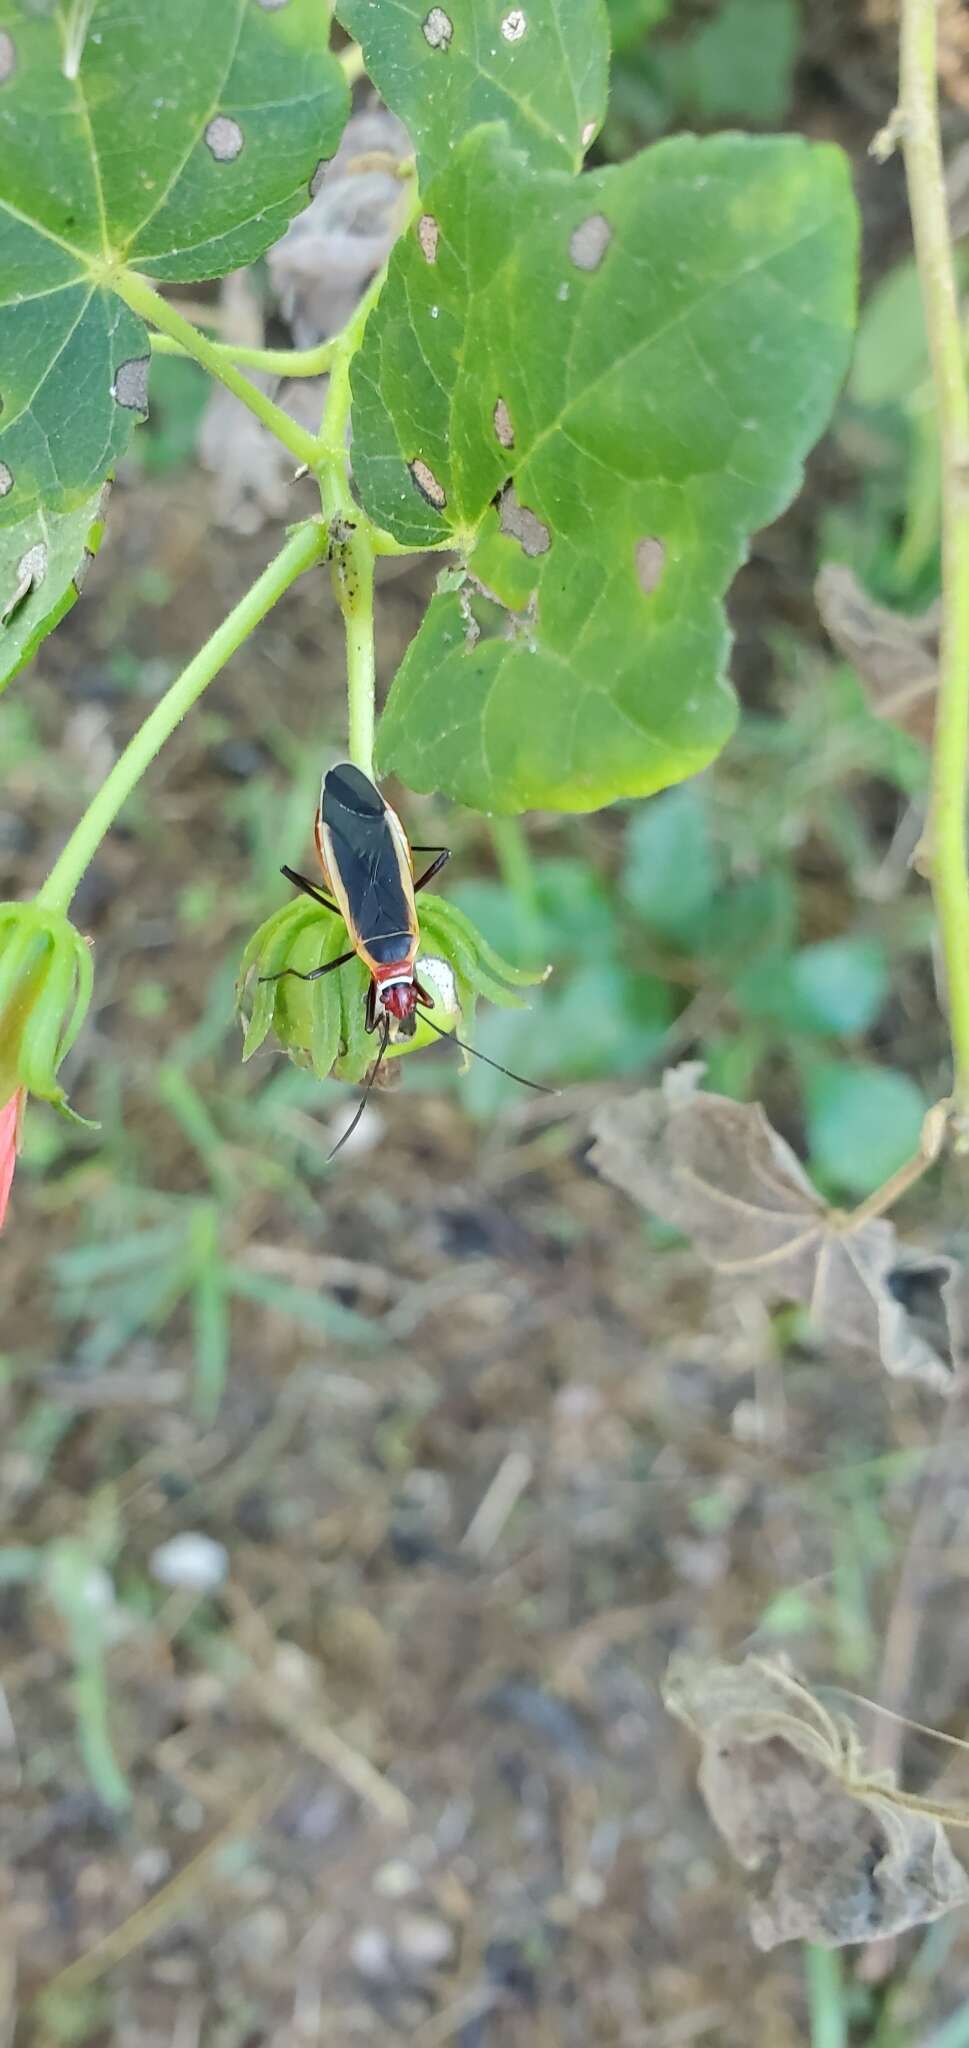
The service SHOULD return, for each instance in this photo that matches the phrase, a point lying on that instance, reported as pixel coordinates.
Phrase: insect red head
(400, 999)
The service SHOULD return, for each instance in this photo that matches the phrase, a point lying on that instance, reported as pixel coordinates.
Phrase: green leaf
(181, 149)
(670, 871)
(630, 21)
(739, 65)
(43, 562)
(836, 988)
(891, 357)
(598, 1020)
(750, 918)
(542, 68)
(840, 985)
(632, 366)
(863, 1122)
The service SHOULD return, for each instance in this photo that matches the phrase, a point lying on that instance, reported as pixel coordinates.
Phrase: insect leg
(308, 888)
(444, 853)
(315, 973)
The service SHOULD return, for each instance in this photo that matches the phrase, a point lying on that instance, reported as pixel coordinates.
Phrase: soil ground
(406, 1776)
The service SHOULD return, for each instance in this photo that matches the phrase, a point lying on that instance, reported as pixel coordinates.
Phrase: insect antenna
(539, 1086)
(365, 1098)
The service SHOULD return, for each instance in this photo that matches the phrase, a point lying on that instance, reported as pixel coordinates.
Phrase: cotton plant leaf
(834, 1855)
(717, 1170)
(542, 68)
(596, 389)
(43, 562)
(182, 147)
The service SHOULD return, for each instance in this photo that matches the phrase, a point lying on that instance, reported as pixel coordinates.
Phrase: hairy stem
(142, 298)
(922, 148)
(351, 539)
(352, 566)
(280, 362)
(305, 546)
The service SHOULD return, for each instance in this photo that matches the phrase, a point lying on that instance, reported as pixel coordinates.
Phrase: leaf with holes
(541, 68)
(718, 1171)
(180, 145)
(836, 1852)
(43, 562)
(597, 388)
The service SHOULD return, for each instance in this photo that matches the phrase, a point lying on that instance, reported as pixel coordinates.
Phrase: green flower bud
(322, 1024)
(45, 987)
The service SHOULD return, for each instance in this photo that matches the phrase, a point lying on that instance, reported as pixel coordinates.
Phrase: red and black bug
(369, 881)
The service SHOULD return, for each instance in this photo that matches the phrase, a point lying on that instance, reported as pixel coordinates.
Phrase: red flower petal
(10, 1117)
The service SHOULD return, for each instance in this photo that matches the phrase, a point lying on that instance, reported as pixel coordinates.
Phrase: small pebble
(423, 1941)
(371, 1955)
(151, 1865)
(395, 1880)
(192, 1562)
(264, 1936)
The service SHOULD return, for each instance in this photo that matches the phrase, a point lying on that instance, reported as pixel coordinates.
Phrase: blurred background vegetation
(322, 1373)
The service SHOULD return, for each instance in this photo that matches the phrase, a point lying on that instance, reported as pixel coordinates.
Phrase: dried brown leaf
(718, 1171)
(329, 253)
(834, 1857)
(895, 657)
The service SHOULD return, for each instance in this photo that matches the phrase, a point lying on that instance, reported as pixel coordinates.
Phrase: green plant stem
(279, 362)
(352, 539)
(306, 545)
(142, 298)
(924, 170)
(352, 563)
(822, 1967)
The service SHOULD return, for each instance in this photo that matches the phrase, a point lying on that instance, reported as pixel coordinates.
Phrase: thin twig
(158, 1911)
(303, 1719)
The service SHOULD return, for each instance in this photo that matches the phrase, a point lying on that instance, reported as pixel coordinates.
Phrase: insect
(369, 881)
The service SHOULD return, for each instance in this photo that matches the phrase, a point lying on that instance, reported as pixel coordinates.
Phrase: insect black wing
(378, 889)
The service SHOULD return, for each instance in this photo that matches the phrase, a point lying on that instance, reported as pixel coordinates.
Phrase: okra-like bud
(45, 987)
(322, 1023)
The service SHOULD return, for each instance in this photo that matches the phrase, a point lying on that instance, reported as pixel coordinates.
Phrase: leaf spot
(273, 6)
(33, 564)
(130, 387)
(428, 485)
(224, 138)
(503, 426)
(319, 174)
(650, 562)
(589, 241)
(514, 25)
(428, 235)
(438, 28)
(587, 133)
(6, 480)
(522, 525)
(8, 56)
